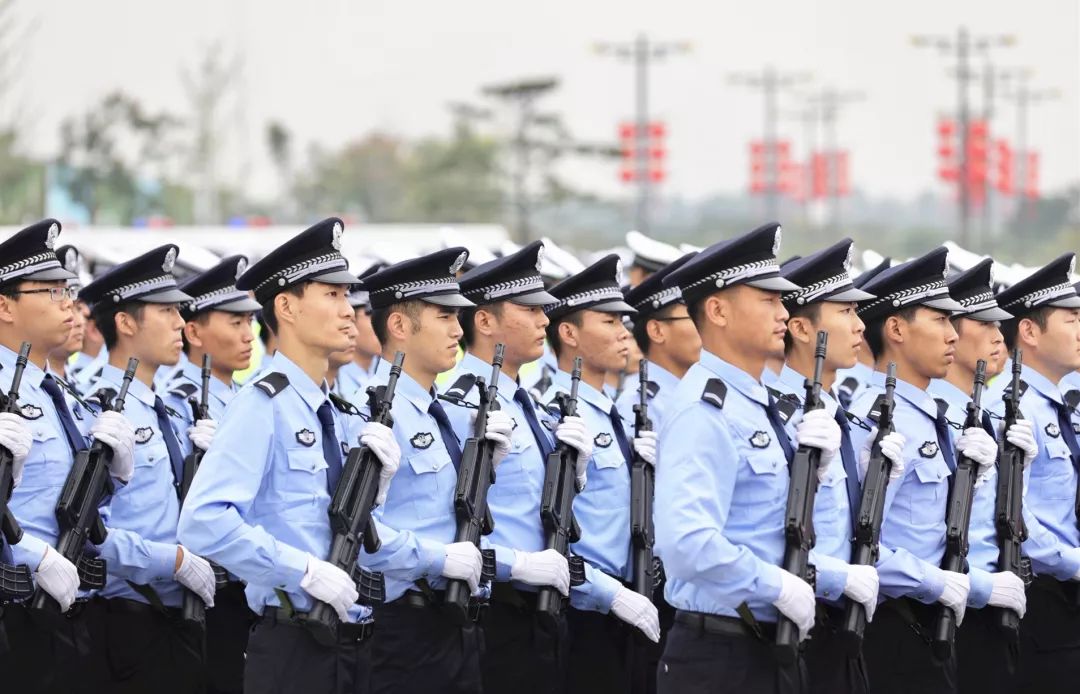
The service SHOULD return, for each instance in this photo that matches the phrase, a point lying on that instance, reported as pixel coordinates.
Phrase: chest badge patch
(603, 440)
(30, 411)
(760, 439)
(929, 449)
(423, 440)
(305, 437)
(1052, 430)
(143, 434)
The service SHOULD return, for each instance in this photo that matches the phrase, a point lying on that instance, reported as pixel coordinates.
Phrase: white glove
(573, 432)
(1022, 435)
(546, 568)
(955, 595)
(197, 574)
(819, 430)
(499, 428)
(981, 447)
(861, 586)
(202, 434)
(16, 437)
(327, 583)
(637, 611)
(58, 577)
(796, 602)
(116, 431)
(645, 446)
(380, 439)
(1008, 592)
(892, 447)
(463, 562)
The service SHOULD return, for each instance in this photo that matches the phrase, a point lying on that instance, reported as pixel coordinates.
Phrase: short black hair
(811, 312)
(467, 318)
(576, 318)
(641, 327)
(875, 329)
(380, 316)
(1010, 328)
(267, 313)
(265, 333)
(104, 315)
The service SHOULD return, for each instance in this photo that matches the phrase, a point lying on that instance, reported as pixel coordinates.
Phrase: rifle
(642, 482)
(556, 503)
(193, 611)
(475, 476)
(864, 550)
(350, 515)
(957, 518)
(1008, 507)
(86, 485)
(799, 514)
(15, 580)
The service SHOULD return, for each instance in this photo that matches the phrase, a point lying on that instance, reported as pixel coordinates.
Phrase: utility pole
(640, 52)
(1024, 97)
(830, 101)
(770, 82)
(961, 48)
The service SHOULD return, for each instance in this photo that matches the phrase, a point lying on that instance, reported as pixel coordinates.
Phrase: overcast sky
(333, 70)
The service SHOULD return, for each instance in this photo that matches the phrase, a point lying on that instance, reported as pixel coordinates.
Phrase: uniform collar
(956, 398)
(735, 377)
(1041, 383)
(662, 377)
(32, 375)
(407, 387)
(594, 397)
(142, 392)
(473, 364)
(311, 393)
(1070, 382)
(919, 398)
(795, 382)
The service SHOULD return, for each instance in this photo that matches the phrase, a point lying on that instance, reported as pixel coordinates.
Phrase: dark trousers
(284, 658)
(600, 657)
(646, 654)
(522, 653)
(137, 648)
(987, 657)
(897, 650)
(418, 649)
(1050, 638)
(43, 650)
(829, 666)
(227, 625)
(700, 660)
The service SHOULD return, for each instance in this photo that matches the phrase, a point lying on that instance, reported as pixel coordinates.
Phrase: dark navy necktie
(450, 439)
(176, 459)
(331, 448)
(778, 429)
(71, 431)
(525, 401)
(620, 433)
(847, 456)
(944, 434)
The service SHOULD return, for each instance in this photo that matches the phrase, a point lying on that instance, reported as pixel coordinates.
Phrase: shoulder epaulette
(786, 403)
(544, 382)
(184, 390)
(342, 404)
(875, 409)
(460, 388)
(1023, 388)
(1072, 398)
(272, 383)
(715, 393)
(651, 389)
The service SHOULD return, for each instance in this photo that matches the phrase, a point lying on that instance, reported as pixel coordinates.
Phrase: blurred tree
(365, 179)
(22, 180)
(454, 181)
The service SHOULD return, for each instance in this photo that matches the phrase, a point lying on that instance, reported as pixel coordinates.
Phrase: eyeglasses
(671, 318)
(57, 294)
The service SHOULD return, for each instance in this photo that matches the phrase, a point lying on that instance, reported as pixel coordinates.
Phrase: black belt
(415, 598)
(129, 606)
(724, 626)
(347, 631)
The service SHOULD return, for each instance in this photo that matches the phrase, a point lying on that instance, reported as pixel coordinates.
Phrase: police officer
(258, 506)
(43, 436)
(522, 653)
(134, 619)
(58, 359)
(827, 301)
(1046, 326)
(908, 324)
(649, 256)
(851, 382)
(217, 323)
(721, 480)
(419, 648)
(354, 375)
(987, 659)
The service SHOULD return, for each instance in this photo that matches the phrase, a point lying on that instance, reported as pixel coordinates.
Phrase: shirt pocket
(1054, 479)
(609, 484)
(831, 490)
(767, 479)
(430, 496)
(47, 464)
(927, 491)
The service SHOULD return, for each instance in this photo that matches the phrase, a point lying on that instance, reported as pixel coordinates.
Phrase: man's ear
(126, 324)
(192, 333)
(895, 329)
(7, 309)
(801, 330)
(717, 309)
(568, 334)
(398, 326)
(285, 308)
(1028, 332)
(483, 322)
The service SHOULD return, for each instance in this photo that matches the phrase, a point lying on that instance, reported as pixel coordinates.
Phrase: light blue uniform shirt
(1069, 383)
(536, 380)
(258, 506)
(89, 371)
(188, 384)
(850, 383)
(1053, 537)
(721, 487)
(832, 508)
(141, 517)
(351, 378)
(47, 466)
(662, 388)
(602, 509)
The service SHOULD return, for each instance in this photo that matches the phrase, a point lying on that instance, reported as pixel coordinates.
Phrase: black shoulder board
(715, 393)
(272, 383)
(786, 404)
(875, 411)
(343, 404)
(184, 390)
(545, 380)
(652, 388)
(1072, 398)
(1023, 388)
(460, 388)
